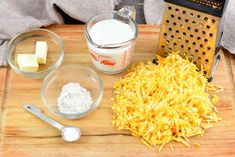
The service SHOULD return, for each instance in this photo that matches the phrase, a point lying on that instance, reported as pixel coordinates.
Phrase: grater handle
(214, 68)
(213, 7)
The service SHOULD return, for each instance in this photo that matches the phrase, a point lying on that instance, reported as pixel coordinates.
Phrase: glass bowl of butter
(35, 53)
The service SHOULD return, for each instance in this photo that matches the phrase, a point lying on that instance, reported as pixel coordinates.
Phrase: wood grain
(232, 62)
(25, 135)
(3, 73)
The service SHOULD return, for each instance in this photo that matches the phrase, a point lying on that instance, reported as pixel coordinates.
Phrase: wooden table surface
(21, 134)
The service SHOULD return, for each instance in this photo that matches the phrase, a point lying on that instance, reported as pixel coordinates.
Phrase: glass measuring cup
(112, 58)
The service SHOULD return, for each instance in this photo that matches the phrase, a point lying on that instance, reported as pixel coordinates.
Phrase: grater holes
(209, 48)
(191, 14)
(163, 46)
(167, 41)
(204, 72)
(215, 4)
(184, 12)
(206, 60)
(165, 54)
(165, 34)
(191, 57)
(181, 26)
(169, 8)
(203, 32)
(174, 43)
(194, 62)
(188, 37)
(172, 16)
(176, 9)
(211, 34)
(200, 25)
(203, 53)
(205, 19)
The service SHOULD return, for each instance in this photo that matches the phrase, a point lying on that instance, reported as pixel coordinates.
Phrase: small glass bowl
(86, 77)
(25, 43)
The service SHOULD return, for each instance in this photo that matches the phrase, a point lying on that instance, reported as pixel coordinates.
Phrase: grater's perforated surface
(210, 3)
(189, 32)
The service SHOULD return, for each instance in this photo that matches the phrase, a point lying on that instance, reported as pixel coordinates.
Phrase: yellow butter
(41, 52)
(27, 62)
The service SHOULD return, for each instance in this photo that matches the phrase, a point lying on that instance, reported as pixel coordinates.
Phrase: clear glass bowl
(24, 43)
(86, 77)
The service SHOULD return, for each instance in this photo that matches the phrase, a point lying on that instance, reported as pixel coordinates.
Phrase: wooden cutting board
(24, 135)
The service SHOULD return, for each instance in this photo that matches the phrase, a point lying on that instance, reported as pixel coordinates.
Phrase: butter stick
(41, 52)
(27, 62)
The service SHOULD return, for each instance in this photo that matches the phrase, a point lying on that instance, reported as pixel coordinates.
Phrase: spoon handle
(37, 112)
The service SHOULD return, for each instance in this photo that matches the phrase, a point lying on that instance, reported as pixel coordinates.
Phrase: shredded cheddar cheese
(197, 144)
(171, 101)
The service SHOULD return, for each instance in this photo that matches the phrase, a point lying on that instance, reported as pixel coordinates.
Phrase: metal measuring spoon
(68, 133)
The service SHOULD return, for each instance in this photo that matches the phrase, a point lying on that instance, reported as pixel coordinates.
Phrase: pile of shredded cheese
(165, 102)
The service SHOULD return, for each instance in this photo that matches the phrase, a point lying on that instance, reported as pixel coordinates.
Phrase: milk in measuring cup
(113, 59)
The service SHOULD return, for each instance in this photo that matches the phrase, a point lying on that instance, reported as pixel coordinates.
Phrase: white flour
(74, 99)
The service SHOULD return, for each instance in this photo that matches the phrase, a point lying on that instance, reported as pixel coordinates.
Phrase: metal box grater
(192, 27)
